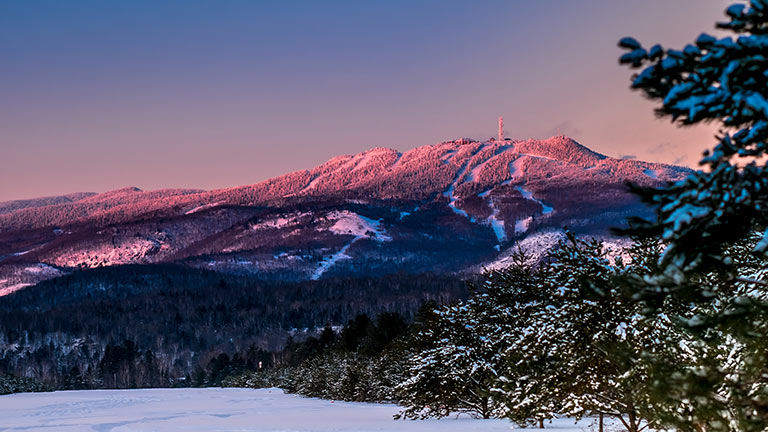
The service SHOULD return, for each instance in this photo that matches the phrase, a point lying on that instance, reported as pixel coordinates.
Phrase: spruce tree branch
(473, 406)
(750, 281)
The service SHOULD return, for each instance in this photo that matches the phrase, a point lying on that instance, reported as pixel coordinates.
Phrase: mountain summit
(439, 208)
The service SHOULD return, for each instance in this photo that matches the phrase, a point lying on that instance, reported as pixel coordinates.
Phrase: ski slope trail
(545, 209)
(449, 193)
(330, 261)
(217, 409)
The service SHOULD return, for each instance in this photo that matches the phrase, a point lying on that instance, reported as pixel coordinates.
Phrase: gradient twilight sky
(98, 95)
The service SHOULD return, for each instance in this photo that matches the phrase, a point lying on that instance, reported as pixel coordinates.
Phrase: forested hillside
(185, 317)
(445, 208)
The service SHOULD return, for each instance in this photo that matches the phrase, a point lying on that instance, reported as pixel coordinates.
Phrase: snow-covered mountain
(441, 208)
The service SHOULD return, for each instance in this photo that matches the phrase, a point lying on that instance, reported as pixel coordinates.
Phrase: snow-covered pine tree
(382, 374)
(582, 351)
(723, 80)
(506, 307)
(453, 368)
(720, 365)
(713, 80)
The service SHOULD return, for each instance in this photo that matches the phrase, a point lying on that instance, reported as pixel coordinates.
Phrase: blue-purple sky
(97, 95)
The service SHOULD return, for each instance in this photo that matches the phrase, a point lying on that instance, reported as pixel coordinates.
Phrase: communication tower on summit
(501, 128)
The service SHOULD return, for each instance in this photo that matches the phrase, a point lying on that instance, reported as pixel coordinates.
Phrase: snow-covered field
(217, 409)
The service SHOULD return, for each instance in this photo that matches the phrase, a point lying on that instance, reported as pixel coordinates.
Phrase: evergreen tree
(457, 353)
(722, 369)
(507, 305)
(455, 372)
(713, 80)
(706, 273)
(581, 348)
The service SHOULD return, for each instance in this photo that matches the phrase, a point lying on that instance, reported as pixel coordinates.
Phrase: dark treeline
(140, 326)
(364, 361)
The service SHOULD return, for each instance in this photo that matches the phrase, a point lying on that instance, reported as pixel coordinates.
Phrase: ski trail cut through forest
(449, 193)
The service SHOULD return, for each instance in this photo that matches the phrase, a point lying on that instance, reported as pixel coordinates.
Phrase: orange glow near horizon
(101, 96)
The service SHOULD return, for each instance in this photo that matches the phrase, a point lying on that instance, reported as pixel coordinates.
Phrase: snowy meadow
(217, 409)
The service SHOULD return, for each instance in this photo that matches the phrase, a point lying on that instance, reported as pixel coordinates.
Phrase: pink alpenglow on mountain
(444, 208)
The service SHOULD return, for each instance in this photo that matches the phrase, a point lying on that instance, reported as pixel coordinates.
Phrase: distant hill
(445, 208)
(11, 206)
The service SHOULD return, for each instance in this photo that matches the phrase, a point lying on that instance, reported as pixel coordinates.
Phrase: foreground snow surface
(217, 409)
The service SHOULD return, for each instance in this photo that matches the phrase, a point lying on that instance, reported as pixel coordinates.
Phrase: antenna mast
(501, 128)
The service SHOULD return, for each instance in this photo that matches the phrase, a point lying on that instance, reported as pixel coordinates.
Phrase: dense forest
(162, 323)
